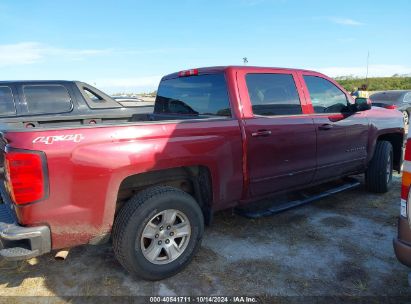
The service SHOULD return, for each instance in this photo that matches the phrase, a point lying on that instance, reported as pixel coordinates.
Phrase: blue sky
(128, 45)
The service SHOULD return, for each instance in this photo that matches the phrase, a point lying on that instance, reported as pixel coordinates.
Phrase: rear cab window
(197, 96)
(7, 106)
(47, 99)
(273, 94)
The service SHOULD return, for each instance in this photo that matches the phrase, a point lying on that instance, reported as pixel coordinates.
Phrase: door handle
(261, 133)
(325, 127)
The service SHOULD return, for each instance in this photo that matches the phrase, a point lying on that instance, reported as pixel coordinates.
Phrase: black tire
(133, 218)
(377, 178)
(406, 117)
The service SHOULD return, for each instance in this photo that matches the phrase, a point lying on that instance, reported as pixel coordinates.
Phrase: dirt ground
(337, 246)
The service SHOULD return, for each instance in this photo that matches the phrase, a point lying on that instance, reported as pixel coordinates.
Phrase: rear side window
(325, 96)
(273, 94)
(193, 96)
(96, 99)
(407, 97)
(7, 106)
(42, 99)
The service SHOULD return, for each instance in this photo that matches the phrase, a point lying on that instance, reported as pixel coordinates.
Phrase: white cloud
(345, 21)
(251, 2)
(24, 53)
(376, 70)
(33, 52)
(20, 53)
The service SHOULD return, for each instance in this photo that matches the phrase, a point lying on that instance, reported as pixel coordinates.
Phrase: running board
(306, 196)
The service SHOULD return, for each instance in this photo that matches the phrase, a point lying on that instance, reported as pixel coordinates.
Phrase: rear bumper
(402, 243)
(18, 242)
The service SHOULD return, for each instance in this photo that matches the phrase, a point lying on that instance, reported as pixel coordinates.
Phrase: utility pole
(368, 63)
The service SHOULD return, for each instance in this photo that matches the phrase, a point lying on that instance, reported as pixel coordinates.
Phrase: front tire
(157, 232)
(378, 177)
(406, 117)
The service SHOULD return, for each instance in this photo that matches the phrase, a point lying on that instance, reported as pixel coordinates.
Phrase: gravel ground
(338, 246)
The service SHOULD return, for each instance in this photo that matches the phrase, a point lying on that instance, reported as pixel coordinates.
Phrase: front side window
(7, 107)
(193, 96)
(325, 96)
(407, 97)
(46, 99)
(273, 94)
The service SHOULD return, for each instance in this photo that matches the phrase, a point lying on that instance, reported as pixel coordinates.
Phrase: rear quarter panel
(86, 170)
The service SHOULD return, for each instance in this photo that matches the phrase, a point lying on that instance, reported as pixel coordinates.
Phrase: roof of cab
(220, 69)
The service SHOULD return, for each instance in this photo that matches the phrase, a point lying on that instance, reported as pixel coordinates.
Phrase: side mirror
(362, 104)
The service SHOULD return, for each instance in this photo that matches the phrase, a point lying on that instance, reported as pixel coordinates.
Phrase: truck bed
(91, 121)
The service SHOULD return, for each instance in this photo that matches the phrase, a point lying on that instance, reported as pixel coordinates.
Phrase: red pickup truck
(219, 137)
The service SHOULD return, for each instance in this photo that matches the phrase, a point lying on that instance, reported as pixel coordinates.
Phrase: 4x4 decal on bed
(48, 140)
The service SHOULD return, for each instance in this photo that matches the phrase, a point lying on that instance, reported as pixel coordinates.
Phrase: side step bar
(304, 197)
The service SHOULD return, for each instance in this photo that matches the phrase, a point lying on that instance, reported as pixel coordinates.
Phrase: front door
(281, 139)
(342, 135)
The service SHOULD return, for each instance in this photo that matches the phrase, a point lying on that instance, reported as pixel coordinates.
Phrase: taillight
(25, 176)
(404, 205)
(406, 181)
(391, 107)
(192, 72)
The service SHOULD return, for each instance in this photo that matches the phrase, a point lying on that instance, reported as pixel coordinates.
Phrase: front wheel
(378, 177)
(157, 232)
(406, 117)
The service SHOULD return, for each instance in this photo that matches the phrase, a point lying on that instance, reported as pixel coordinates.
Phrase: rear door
(280, 137)
(342, 135)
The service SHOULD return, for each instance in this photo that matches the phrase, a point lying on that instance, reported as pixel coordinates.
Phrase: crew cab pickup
(218, 138)
(51, 102)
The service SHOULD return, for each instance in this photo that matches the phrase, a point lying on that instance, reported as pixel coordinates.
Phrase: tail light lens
(405, 190)
(406, 181)
(404, 205)
(391, 107)
(25, 176)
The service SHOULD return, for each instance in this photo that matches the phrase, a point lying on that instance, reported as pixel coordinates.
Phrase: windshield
(194, 95)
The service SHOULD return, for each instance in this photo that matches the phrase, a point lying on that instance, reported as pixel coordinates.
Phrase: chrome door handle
(261, 133)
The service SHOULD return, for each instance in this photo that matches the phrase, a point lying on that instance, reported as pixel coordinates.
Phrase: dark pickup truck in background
(218, 138)
(41, 103)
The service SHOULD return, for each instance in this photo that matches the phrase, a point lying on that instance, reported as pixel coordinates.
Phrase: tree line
(376, 83)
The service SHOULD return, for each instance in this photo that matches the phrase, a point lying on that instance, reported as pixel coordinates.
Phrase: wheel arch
(194, 180)
(397, 142)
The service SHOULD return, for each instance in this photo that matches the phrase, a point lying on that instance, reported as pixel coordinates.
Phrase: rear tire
(378, 177)
(137, 234)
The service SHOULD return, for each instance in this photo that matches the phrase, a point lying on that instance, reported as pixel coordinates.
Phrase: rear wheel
(157, 232)
(378, 177)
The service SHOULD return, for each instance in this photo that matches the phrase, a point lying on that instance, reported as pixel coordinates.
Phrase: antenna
(245, 60)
